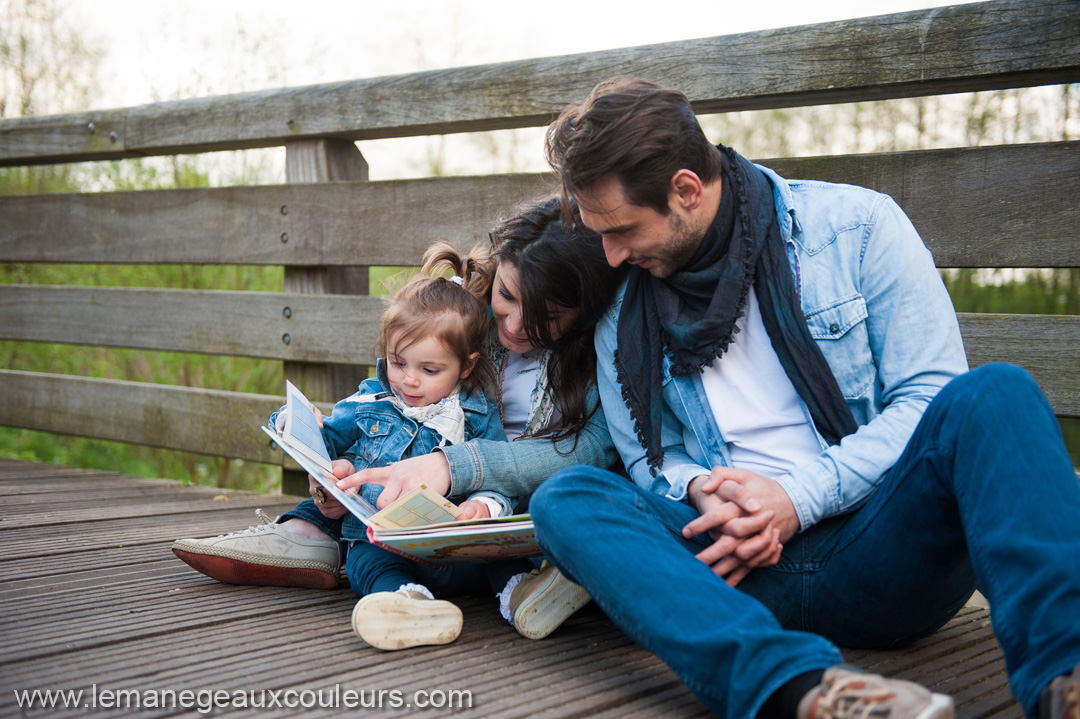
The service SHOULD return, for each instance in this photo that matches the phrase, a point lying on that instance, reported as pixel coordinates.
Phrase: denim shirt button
(834, 328)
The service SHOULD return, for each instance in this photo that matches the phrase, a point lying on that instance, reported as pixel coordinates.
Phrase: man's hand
(402, 477)
(472, 509)
(324, 501)
(742, 526)
(744, 487)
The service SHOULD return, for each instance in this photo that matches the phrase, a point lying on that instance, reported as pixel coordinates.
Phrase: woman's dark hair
(635, 130)
(560, 265)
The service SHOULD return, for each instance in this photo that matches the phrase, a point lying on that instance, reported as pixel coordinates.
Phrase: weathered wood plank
(382, 223)
(1016, 210)
(1048, 346)
(1003, 206)
(1005, 43)
(294, 327)
(309, 162)
(58, 513)
(213, 422)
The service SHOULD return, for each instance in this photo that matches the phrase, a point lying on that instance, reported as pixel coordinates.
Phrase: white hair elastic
(459, 281)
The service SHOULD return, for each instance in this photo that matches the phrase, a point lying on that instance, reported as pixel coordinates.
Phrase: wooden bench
(983, 207)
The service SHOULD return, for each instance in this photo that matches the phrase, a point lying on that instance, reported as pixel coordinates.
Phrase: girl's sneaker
(403, 619)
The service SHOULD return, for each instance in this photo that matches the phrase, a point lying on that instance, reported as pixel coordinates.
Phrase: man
(785, 364)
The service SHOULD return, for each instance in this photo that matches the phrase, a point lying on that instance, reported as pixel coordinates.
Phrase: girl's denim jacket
(877, 308)
(376, 434)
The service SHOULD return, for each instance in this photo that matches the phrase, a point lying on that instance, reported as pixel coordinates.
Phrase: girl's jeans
(373, 569)
(984, 495)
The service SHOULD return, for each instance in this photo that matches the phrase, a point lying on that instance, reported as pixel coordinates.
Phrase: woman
(550, 285)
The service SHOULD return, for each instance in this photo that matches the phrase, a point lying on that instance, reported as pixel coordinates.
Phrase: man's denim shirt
(376, 434)
(880, 313)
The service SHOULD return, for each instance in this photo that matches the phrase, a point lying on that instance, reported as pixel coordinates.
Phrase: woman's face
(506, 309)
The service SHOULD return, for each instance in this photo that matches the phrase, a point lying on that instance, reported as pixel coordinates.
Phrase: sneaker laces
(859, 696)
(265, 525)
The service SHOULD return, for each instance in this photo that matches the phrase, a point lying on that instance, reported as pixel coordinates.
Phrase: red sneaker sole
(232, 571)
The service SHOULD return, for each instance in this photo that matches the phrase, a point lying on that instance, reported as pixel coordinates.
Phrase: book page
(350, 500)
(302, 429)
(420, 507)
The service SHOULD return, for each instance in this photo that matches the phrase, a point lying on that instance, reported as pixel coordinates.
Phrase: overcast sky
(163, 49)
(172, 49)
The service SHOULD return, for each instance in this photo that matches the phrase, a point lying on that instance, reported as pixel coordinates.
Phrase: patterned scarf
(692, 314)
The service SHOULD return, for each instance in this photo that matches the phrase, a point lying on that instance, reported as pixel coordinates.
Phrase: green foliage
(1040, 292)
(384, 280)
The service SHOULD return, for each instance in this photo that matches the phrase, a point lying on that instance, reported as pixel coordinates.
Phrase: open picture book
(420, 524)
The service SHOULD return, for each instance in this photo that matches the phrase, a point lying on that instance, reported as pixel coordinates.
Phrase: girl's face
(425, 372)
(506, 311)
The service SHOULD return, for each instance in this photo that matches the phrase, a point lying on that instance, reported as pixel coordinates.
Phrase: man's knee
(997, 383)
(578, 486)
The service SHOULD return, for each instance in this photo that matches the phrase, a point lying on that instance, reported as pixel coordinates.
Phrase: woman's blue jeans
(984, 494)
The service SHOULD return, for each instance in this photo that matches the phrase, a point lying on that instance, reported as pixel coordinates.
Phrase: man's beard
(682, 244)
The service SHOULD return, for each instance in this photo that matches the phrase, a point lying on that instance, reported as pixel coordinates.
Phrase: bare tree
(47, 65)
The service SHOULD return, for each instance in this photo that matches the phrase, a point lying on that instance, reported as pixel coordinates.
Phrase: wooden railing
(1004, 206)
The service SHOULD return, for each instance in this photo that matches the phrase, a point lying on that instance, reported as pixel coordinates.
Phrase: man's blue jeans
(984, 494)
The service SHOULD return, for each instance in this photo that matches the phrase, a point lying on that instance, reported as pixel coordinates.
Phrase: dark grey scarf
(691, 315)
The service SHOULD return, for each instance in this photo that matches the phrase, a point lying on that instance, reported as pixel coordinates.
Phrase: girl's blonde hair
(431, 305)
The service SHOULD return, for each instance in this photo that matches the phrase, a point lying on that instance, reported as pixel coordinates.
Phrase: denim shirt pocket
(840, 331)
(373, 431)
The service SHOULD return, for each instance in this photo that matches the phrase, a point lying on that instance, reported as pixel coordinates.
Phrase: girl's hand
(472, 509)
(324, 501)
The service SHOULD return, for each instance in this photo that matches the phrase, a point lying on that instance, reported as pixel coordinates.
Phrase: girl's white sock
(504, 596)
(416, 588)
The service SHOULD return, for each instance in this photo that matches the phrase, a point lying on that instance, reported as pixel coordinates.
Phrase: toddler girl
(427, 394)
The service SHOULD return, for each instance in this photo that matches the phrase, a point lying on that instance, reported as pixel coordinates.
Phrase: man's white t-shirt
(757, 409)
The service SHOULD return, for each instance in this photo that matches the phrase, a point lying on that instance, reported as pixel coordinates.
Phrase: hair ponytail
(431, 305)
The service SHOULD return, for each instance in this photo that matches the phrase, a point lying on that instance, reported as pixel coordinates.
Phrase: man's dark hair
(638, 131)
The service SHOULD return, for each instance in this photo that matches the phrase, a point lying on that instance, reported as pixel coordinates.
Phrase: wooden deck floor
(92, 599)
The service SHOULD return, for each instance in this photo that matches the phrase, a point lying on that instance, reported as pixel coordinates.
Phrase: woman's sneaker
(403, 619)
(846, 693)
(543, 600)
(264, 555)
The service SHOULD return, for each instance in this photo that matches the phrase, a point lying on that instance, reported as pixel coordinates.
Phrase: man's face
(639, 235)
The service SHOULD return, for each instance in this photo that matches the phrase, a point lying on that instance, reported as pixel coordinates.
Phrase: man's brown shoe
(1061, 700)
(844, 693)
